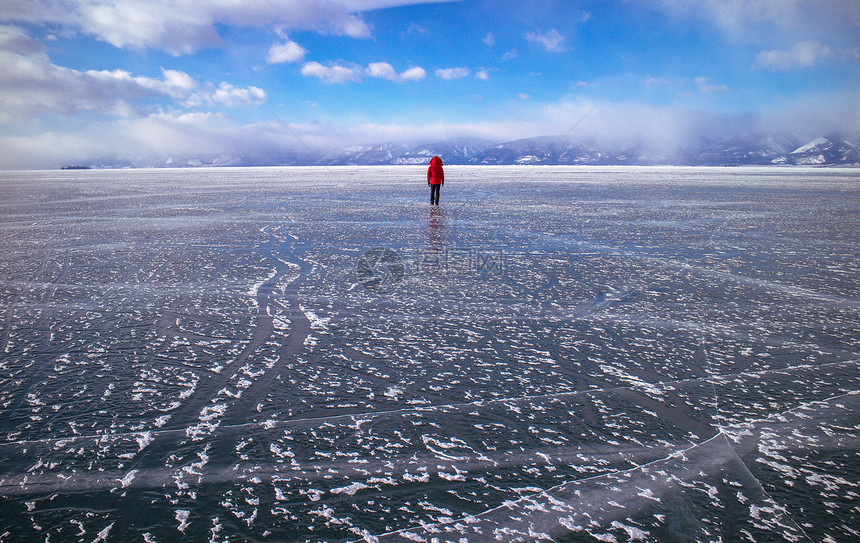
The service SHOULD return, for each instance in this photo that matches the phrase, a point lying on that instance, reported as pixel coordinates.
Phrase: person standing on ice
(435, 179)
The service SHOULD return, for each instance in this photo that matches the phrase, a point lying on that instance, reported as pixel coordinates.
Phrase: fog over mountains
(739, 150)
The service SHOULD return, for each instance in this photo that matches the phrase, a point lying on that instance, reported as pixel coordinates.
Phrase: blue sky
(144, 80)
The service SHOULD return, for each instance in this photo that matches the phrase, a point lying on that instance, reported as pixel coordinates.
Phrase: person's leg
(438, 190)
(434, 194)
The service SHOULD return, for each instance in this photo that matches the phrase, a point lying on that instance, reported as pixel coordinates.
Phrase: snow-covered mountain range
(740, 150)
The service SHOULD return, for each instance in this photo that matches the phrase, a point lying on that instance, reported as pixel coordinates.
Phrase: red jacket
(435, 174)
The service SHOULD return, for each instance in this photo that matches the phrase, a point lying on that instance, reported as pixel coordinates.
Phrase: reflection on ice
(608, 354)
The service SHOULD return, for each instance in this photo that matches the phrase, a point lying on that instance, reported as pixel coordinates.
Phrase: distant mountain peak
(817, 142)
(452, 151)
(829, 150)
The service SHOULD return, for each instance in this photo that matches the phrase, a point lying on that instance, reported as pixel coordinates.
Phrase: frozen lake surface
(315, 354)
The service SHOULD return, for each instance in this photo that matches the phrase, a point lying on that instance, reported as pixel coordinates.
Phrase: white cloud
(510, 55)
(385, 70)
(185, 27)
(453, 73)
(757, 20)
(33, 86)
(482, 75)
(706, 87)
(231, 96)
(414, 29)
(813, 115)
(489, 39)
(659, 129)
(523, 96)
(335, 73)
(179, 80)
(703, 84)
(552, 40)
(413, 74)
(15, 40)
(286, 52)
(734, 14)
(662, 82)
(346, 73)
(177, 28)
(803, 55)
(149, 140)
(381, 69)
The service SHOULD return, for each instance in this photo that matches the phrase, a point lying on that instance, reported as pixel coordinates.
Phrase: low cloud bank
(191, 138)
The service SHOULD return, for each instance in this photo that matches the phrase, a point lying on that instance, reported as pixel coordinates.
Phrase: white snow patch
(313, 493)
(182, 517)
(255, 288)
(633, 533)
(648, 494)
(394, 392)
(129, 477)
(317, 322)
(162, 420)
(143, 439)
(755, 512)
(349, 490)
(103, 535)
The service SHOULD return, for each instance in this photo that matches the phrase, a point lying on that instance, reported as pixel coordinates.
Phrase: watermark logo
(381, 269)
(460, 261)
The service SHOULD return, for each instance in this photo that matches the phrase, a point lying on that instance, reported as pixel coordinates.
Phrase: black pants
(434, 193)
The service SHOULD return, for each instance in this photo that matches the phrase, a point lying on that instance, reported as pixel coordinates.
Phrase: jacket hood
(436, 160)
